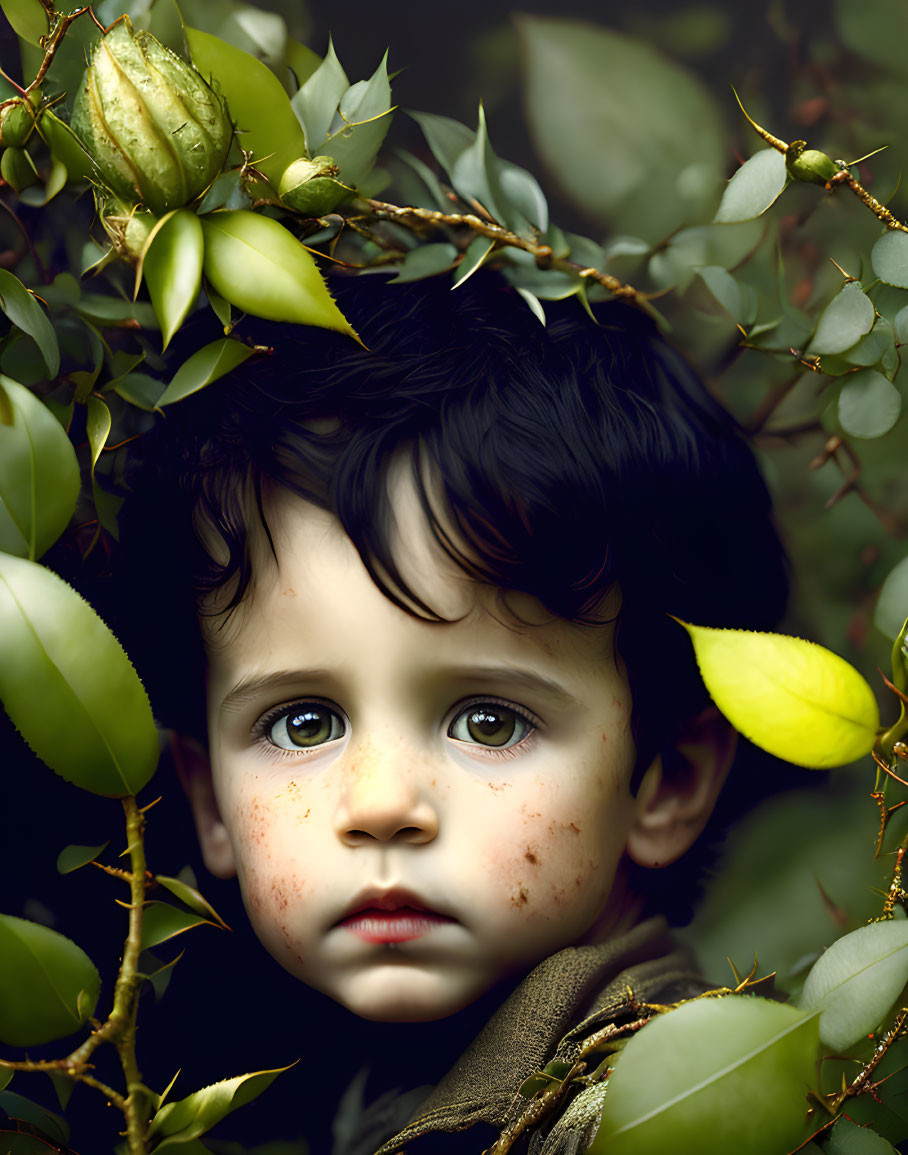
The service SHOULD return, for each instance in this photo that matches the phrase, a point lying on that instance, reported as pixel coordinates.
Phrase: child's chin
(417, 1001)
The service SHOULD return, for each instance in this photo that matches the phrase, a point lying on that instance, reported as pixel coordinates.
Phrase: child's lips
(385, 926)
(388, 916)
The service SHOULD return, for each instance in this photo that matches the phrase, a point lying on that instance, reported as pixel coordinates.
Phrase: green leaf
(892, 604)
(72, 858)
(425, 261)
(534, 304)
(27, 17)
(23, 310)
(365, 109)
(869, 405)
(65, 146)
(22, 1144)
(227, 192)
(48, 985)
(876, 347)
(876, 29)
(447, 139)
(192, 898)
(47, 1124)
(160, 977)
(316, 102)
(97, 426)
(257, 101)
(847, 1138)
(39, 474)
(172, 267)
(521, 189)
(161, 921)
(68, 687)
(63, 1087)
(855, 983)
(191, 1117)
(684, 1081)
(473, 259)
(140, 390)
(756, 186)
(5, 1077)
(738, 299)
(204, 366)
(791, 697)
(259, 266)
(626, 133)
(889, 257)
(847, 317)
(302, 60)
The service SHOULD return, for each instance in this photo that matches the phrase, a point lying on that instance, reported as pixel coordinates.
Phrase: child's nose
(385, 797)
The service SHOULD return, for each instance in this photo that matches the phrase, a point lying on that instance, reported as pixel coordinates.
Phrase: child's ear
(677, 795)
(194, 770)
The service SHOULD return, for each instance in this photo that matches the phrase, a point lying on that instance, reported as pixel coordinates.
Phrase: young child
(456, 742)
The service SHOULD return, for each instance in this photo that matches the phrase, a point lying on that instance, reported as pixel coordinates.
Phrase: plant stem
(127, 986)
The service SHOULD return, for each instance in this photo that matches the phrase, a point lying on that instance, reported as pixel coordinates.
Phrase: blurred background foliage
(627, 116)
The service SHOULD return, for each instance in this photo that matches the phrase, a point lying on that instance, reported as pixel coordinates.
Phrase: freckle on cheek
(520, 898)
(531, 857)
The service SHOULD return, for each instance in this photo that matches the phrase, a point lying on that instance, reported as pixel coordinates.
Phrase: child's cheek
(264, 834)
(551, 862)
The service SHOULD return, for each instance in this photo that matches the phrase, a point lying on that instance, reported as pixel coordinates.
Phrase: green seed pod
(157, 132)
(809, 164)
(17, 119)
(16, 169)
(309, 187)
(126, 225)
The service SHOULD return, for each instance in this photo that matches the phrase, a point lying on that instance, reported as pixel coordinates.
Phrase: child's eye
(304, 726)
(490, 724)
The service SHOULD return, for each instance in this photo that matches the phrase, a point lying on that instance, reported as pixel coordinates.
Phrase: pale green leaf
(179, 1122)
(869, 405)
(847, 1138)
(68, 687)
(534, 304)
(620, 127)
(738, 299)
(97, 425)
(685, 1081)
(521, 189)
(425, 261)
(259, 266)
(847, 317)
(65, 146)
(900, 325)
(756, 186)
(161, 921)
(191, 897)
(474, 258)
(22, 308)
(855, 983)
(72, 858)
(476, 175)
(39, 474)
(205, 365)
(446, 138)
(892, 604)
(172, 266)
(48, 985)
(5, 1077)
(258, 104)
(889, 258)
(793, 698)
(27, 17)
(141, 390)
(316, 102)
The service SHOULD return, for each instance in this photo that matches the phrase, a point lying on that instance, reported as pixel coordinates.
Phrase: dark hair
(572, 458)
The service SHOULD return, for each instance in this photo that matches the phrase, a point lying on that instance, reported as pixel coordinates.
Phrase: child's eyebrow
(506, 676)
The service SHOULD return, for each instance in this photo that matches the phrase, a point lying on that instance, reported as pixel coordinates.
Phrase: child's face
(475, 770)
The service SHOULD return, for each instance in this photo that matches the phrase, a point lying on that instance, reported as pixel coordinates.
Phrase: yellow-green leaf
(790, 697)
(39, 473)
(687, 1080)
(191, 897)
(259, 266)
(204, 366)
(48, 985)
(172, 267)
(178, 1123)
(68, 687)
(259, 106)
(161, 921)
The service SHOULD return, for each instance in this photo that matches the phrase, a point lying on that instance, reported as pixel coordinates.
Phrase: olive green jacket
(555, 1010)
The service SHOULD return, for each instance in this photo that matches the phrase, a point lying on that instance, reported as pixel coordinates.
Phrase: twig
(54, 42)
(545, 258)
